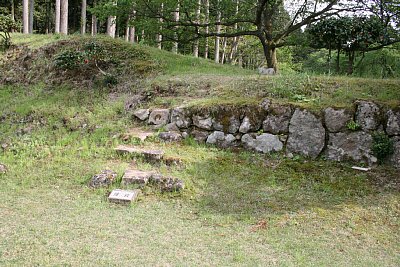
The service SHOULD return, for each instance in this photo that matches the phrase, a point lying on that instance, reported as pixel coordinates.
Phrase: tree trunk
(58, 20)
(207, 20)
(132, 34)
(64, 17)
(83, 17)
(217, 38)
(111, 24)
(127, 30)
(338, 61)
(159, 35)
(25, 16)
(94, 21)
(196, 42)
(31, 10)
(224, 50)
(235, 42)
(175, 45)
(350, 68)
(12, 12)
(270, 56)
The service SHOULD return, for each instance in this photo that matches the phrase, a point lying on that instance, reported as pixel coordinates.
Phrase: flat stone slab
(138, 134)
(137, 177)
(123, 196)
(148, 154)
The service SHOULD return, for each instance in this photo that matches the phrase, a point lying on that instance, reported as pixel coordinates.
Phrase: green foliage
(7, 25)
(353, 126)
(382, 146)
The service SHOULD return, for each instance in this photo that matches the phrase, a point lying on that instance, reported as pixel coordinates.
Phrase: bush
(7, 25)
(382, 146)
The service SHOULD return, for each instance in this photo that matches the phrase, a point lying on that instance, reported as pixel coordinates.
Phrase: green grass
(315, 213)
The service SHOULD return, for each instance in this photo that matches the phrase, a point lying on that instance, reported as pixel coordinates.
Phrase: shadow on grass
(247, 185)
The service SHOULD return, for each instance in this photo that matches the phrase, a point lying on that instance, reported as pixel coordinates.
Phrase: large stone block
(264, 143)
(306, 134)
(159, 117)
(393, 122)
(220, 139)
(142, 114)
(336, 120)
(395, 158)
(250, 124)
(355, 146)
(199, 136)
(181, 118)
(104, 178)
(277, 121)
(204, 122)
(368, 115)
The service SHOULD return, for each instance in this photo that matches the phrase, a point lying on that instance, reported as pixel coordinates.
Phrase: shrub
(382, 146)
(7, 25)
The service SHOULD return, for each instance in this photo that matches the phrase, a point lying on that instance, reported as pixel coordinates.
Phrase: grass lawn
(238, 208)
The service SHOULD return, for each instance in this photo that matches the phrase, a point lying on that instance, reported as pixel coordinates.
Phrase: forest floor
(238, 208)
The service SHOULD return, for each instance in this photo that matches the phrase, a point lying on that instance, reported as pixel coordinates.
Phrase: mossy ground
(238, 209)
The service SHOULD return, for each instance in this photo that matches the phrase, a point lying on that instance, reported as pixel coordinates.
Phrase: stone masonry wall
(271, 127)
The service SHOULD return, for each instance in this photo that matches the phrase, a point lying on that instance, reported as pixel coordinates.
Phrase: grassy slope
(315, 213)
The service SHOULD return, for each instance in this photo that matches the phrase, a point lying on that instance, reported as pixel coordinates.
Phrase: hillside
(59, 127)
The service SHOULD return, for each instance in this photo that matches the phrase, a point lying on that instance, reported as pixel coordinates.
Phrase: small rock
(136, 177)
(159, 117)
(393, 123)
(142, 114)
(265, 104)
(336, 120)
(172, 185)
(216, 137)
(217, 125)
(234, 124)
(171, 127)
(3, 168)
(185, 135)
(203, 122)
(200, 136)
(264, 143)
(368, 115)
(104, 178)
(123, 196)
(278, 121)
(249, 125)
(170, 136)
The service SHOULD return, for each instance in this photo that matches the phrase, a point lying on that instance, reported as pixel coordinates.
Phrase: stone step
(137, 133)
(149, 154)
(123, 196)
(165, 183)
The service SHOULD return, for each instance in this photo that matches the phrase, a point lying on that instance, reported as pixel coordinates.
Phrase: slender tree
(31, 10)
(64, 17)
(94, 21)
(159, 35)
(217, 33)
(207, 28)
(196, 42)
(176, 19)
(58, 16)
(25, 16)
(112, 24)
(83, 17)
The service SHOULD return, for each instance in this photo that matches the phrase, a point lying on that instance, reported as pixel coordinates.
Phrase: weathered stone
(170, 136)
(368, 115)
(265, 104)
(215, 138)
(249, 125)
(3, 168)
(136, 134)
(148, 154)
(123, 196)
(306, 134)
(200, 136)
(203, 122)
(217, 126)
(354, 146)
(142, 114)
(264, 143)
(220, 139)
(278, 121)
(172, 185)
(395, 157)
(171, 127)
(234, 124)
(159, 117)
(136, 177)
(135, 101)
(181, 118)
(104, 178)
(393, 122)
(336, 120)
